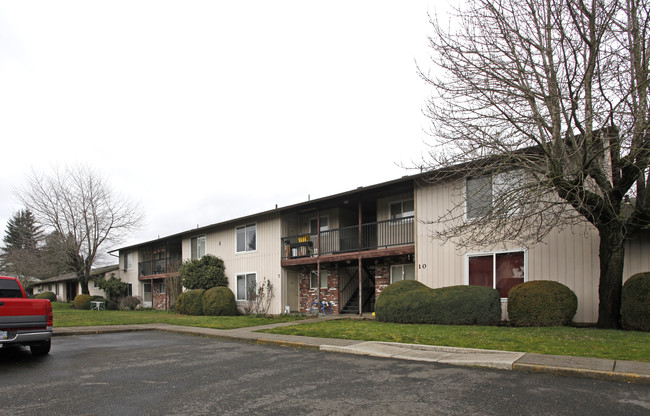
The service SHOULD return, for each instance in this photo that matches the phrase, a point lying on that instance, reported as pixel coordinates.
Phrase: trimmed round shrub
(541, 303)
(46, 295)
(82, 301)
(219, 301)
(411, 302)
(190, 302)
(635, 303)
(131, 302)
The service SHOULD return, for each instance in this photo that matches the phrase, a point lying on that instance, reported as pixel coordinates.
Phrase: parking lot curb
(291, 344)
(583, 373)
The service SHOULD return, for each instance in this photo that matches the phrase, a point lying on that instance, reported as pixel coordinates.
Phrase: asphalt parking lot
(151, 372)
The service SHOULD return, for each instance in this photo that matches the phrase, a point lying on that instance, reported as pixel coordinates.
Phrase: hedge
(190, 302)
(541, 303)
(412, 302)
(203, 273)
(82, 301)
(219, 301)
(46, 295)
(635, 303)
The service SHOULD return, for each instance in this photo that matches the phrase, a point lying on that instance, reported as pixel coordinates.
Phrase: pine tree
(22, 232)
(21, 254)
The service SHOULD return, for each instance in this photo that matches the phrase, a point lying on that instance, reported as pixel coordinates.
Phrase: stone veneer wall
(159, 299)
(382, 278)
(331, 294)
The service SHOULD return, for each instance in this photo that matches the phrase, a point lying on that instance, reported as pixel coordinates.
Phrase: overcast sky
(204, 111)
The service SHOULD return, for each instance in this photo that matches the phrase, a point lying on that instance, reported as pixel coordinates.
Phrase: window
(246, 238)
(129, 289)
(500, 271)
(479, 196)
(160, 288)
(197, 247)
(402, 209)
(9, 289)
(324, 277)
(481, 193)
(324, 225)
(402, 272)
(127, 261)
(245, 284)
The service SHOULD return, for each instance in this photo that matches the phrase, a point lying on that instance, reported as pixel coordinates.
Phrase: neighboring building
(346, 248)
(66, 286)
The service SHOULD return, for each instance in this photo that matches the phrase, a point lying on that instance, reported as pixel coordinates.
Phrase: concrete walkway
(616, 370)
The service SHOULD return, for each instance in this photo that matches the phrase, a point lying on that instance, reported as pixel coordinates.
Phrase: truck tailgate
(23, 313)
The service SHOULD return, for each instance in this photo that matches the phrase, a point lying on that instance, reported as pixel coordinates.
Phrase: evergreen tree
(23, 233)
(21, 254)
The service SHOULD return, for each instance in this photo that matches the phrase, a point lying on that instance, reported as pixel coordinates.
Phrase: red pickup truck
(24, 321)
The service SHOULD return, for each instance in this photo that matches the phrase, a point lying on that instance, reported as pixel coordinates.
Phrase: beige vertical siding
(637, 259)
(264, 261)
(130, 276)
(569, 256)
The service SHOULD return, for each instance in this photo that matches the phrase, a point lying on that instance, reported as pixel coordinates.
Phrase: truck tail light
(50, 315)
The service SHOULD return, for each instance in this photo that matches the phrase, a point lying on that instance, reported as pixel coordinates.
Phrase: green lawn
(582, 342)
(64, 315)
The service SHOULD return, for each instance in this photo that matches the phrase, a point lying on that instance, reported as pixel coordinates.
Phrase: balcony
(371, 236)
(160, 266)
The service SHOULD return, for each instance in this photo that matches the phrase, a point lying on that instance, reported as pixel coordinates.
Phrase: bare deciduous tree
(79, 205)
(556, 91)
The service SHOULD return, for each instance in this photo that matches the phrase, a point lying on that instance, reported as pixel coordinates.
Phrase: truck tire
(42, 348)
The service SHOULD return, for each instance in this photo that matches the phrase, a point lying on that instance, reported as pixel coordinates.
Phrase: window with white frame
(246, 283)
(324, 225)
(402, 209)
(501, 271)
(481, 193)
(161, 288)
(402, 272)
(128, 261)
(324, 277)
(246, 238)
(197, 247)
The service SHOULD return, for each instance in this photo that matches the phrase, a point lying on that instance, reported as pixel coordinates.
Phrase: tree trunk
(83, 282)
(612, 256)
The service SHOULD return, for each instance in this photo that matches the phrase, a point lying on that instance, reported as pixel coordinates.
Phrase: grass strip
(66, 316)
(580, 342)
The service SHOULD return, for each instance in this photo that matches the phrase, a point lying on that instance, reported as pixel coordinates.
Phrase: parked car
(24, 321)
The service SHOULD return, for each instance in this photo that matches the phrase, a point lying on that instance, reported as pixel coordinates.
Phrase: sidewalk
(615, 370)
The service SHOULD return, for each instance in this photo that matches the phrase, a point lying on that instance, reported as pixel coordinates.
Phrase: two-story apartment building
(345, 248)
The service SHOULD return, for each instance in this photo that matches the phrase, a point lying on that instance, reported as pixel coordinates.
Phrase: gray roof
(73, 276)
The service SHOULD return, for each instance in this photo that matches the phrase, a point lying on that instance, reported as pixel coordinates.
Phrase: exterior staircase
(352, 307)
